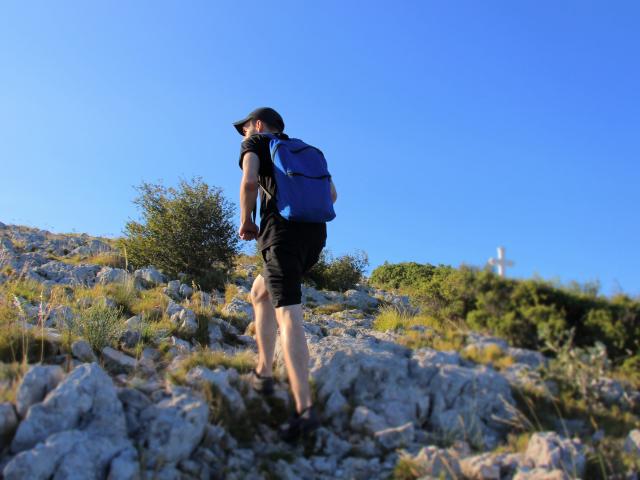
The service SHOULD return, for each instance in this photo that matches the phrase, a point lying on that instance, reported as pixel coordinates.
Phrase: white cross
(501, 262)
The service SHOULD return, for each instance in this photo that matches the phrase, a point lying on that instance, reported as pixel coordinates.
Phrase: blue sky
(450, 127)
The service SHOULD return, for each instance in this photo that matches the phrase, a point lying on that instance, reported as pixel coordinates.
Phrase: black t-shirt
(273, 228)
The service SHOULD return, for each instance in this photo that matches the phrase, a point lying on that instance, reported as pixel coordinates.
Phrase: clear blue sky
(450, 127)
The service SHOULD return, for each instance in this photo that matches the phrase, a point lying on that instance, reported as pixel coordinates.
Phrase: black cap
(266, 114)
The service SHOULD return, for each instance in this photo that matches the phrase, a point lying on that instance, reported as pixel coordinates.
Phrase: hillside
(110, 373)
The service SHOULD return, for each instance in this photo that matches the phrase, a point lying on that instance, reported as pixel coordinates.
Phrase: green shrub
(523, 311)
(99, 325)
(339, 274)
(188, 230)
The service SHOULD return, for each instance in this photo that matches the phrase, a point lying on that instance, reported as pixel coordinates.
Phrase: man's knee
(259, 292)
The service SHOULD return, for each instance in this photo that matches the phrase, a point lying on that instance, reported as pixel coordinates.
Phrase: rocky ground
(169, 399)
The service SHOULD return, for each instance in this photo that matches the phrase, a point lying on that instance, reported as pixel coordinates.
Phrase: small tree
(186, 230)
(339, 274)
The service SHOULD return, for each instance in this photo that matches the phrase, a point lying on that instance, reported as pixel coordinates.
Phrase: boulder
(109, 275)
(148, 277)
(392, 438)
(550, 451)
(457, 402)
(632, 442)
(241, 309)
(65, 274)
(186, 322)
(172, 428)
(36, 383)
(185, 291)
(8, 423)
(360, 300)
(221, 380)
(74, 433)
(118, 362)
(83, 351)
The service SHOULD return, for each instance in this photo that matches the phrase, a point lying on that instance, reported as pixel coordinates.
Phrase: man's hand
(248, 231)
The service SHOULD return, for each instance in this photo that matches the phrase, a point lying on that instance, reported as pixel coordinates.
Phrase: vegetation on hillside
(525, 312)
(186, 230)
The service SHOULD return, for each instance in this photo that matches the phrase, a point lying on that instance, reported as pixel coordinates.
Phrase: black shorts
(284, 265)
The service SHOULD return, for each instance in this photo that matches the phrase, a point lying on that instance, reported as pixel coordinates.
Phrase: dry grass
(10, 376)
(491, 354)
(329, 309)
(243, 361)
(105, 259)
(418, 331)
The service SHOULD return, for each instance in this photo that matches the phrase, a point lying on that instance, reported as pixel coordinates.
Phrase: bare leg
(265, 326)
(296, 353)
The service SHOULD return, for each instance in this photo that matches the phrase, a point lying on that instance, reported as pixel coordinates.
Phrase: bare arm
(334, 192)
(248, 195)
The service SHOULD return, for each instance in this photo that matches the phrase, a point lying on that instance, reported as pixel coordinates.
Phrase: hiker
(290, 239)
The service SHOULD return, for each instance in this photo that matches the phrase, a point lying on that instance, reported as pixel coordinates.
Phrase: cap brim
(238, 125)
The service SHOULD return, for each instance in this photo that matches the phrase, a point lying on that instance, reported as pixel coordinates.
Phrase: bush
(100, 325)
(525, 312)
(186, 230)
(338, 274)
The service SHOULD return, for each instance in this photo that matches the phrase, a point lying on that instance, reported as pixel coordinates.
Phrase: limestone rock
(109, 275)
(392, 438)
(36, 383)
(632, 442)
(86, 399)
(360, 300)
(69, 454)
(118, 362)
(149, 277)
(186, 322)
(83, 351)
(65, 274)
(172, 428)
(221, 379)
(8, 423)
(550, 451)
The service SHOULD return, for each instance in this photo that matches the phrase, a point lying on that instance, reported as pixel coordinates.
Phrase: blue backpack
(303, 182)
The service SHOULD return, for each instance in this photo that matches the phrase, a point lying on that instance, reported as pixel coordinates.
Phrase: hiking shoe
(301, 425)
(262, 385)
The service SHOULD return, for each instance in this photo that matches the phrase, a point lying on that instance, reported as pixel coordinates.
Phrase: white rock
(83, 351)
(481, 467)
(240, 308)
(438, 463)
(173, 428)
(173, 289)
(65, 274)
(109, 275)
(173, 308)
(70, 454)
(117, 361)
(185, 291)
(632, 442)
(392, 438)
(531, 358)
(85, 399)
(365, 421)
(221, 379)
(149, 277)
(8, 423)
(134, 323)
(360, 300)
(36, 383)
(186, 322)
(540, 474)
(125, 466)
(550, 451)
